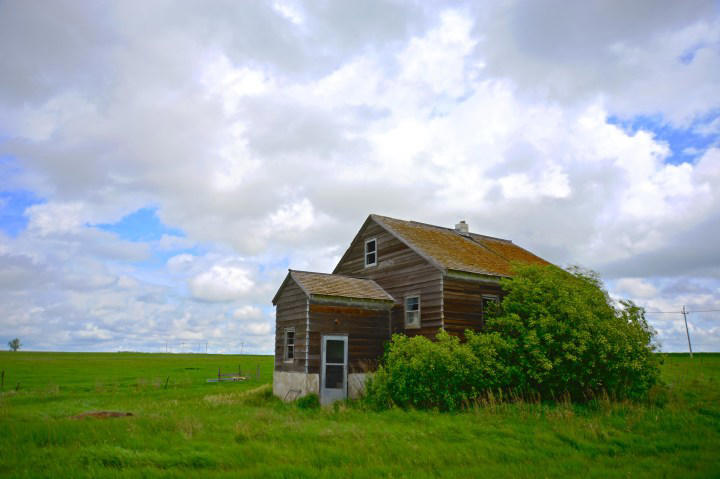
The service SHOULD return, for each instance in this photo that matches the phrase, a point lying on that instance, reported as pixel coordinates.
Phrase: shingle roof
(451, 250)
(339, 286)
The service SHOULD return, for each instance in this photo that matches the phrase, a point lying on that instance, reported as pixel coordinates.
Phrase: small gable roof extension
(325, 286)
(450, 250)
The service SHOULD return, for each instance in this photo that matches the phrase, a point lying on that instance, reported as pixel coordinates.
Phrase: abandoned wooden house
(396, 277)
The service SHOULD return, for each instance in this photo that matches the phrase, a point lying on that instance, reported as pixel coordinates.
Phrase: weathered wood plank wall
(291, 312)
(400, 271)
(367, 331)
(462, 305)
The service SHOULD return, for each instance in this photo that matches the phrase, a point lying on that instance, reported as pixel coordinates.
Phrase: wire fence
(196, 347)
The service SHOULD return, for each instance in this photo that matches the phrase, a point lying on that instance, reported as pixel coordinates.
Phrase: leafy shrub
(310, 401)
(557, 334)
(420, 373)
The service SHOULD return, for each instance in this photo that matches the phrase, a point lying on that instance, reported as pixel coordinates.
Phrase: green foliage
(557, 334)
(14, 344)
(309, 401)
(417, 372)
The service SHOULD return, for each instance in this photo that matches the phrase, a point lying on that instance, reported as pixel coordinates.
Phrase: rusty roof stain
(450, 250)
(336, 285)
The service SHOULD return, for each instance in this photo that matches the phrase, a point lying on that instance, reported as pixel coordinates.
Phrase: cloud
(221, 283)
(637, 288)
(247, 312)
(630, 54)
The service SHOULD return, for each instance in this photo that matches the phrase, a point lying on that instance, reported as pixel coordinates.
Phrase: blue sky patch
(686, 144)
(142, 225)
(12, 210)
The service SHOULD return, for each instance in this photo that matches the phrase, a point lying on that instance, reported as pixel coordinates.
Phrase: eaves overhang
(474, 277)
(355, 302)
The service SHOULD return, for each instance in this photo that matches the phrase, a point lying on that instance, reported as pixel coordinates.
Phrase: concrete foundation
(356, 384)
(290, 386)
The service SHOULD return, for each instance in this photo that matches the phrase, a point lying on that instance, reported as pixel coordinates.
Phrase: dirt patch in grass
(101, 414)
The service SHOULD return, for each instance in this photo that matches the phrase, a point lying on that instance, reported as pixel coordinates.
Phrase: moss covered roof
(335, 285)
(452, 250)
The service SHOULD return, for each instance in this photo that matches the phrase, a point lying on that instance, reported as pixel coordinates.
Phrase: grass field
(182, 426)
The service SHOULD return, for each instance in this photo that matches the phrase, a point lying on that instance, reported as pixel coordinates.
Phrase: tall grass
(194, 428)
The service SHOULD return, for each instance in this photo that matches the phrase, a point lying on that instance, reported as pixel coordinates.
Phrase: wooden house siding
(291, 312)
(367, 331)
(462, 303)
(400, 271)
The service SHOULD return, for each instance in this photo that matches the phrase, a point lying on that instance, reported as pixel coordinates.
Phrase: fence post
(257, 372)
(2, 381)
(219, 377)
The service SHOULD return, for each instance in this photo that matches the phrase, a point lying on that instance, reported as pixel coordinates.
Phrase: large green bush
(425, 374)
(560, 333)
(556, 334)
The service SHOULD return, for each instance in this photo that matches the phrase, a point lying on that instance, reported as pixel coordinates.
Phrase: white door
(334, 369)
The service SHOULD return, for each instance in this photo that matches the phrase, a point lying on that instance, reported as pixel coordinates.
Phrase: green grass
(194, 428)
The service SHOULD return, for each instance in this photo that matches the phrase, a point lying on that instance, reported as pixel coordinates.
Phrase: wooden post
(166, 381)
(2, 381)
(257, 372)
(219, 378)
(687, 331)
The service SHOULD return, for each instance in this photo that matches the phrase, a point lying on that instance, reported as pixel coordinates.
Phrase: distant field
(182, 426)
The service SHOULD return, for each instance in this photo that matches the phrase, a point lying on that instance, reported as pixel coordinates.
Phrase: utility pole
(687, 331)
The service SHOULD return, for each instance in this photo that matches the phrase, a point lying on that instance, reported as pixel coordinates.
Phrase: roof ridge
(334, 275)
(311, 272)
(504, 240)
(452, 230)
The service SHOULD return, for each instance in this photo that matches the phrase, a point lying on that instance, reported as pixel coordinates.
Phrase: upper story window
(289, 344)
(371, 252)
(412, 312)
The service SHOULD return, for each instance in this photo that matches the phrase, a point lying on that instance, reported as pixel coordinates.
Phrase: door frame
(323, 340)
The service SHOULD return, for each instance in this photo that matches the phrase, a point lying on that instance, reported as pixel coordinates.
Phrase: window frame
(286, 357)
(489, 297)
(405, 311)
(365, 252)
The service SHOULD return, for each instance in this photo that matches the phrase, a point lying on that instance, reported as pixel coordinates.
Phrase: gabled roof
(321, 285)
(451, 251)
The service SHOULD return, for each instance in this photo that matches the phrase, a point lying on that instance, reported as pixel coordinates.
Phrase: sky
(162, 164)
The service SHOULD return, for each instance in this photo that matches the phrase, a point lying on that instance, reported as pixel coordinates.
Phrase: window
(412, 312)
(371, 252)
(289, 344)
(490, 304)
